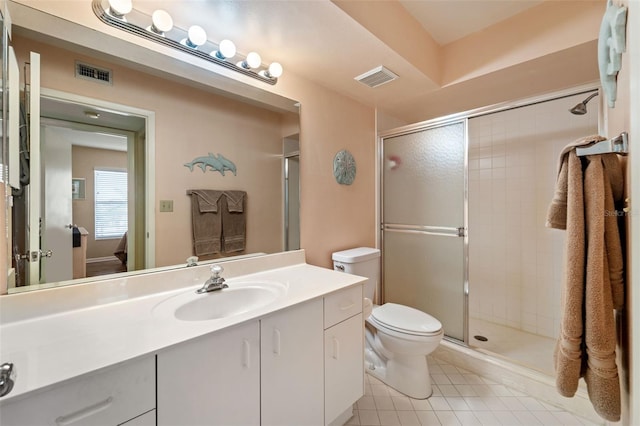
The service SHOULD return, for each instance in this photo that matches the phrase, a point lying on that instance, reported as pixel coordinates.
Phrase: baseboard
(102, 259)
(343, 418)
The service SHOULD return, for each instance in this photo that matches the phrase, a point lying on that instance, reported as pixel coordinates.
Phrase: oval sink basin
(238, 298)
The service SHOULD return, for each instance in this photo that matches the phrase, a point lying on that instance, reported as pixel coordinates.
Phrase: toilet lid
(405, 319)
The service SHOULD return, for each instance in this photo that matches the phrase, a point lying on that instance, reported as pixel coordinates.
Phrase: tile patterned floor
(459, 398)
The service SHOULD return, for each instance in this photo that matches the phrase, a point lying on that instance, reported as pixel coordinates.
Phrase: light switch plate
(166, 205)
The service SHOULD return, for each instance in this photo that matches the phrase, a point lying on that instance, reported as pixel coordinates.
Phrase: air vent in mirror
(93, 73)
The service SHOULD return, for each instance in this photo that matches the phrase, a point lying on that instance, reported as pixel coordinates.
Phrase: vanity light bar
(131, 28)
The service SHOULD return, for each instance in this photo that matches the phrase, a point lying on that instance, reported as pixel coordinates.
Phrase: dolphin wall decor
(217, 163)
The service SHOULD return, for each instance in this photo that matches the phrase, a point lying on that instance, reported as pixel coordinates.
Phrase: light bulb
(253, 60)
(196, 37)
(119, 8)
(275, 70)
(226, 49)
(161, 22)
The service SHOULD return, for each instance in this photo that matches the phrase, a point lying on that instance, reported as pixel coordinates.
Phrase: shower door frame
(457, 117)
(416, 128)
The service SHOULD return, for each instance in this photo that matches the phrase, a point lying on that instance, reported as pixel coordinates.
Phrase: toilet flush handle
(339, 267)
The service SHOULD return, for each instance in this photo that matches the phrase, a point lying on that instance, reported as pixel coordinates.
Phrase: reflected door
(57, 215)
(32, 255)
(291, 151)
(292, 203)
(423, 223)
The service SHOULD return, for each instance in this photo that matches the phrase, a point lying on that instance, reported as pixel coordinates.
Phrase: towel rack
(618, 145)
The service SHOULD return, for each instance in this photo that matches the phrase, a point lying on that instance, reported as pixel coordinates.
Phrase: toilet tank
(363, 261)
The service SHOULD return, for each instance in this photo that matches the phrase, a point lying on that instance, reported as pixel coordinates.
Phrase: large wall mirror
(119, 156)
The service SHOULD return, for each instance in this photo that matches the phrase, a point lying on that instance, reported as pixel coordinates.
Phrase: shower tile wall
(515, 262)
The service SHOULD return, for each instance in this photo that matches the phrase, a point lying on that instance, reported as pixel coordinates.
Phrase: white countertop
(63, 344)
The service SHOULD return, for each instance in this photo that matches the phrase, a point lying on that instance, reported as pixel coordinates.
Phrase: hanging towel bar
(618, 145)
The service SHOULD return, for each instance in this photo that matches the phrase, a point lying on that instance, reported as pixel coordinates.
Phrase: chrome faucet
(216, 282)
(7, 378)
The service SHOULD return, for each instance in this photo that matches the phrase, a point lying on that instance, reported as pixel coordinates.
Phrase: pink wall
(333, 216)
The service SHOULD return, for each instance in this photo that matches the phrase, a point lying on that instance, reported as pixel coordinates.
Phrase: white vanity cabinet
(271, 371)
(111, 397)
(343, 351)
(292, 387)
(213, 380)
(296, 361)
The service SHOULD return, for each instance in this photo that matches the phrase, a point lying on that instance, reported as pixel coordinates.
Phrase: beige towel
(593, 279)
(557, 214)
(206, 221)
(601, 374)
(568, 351)
(233, 221)
(235, 200)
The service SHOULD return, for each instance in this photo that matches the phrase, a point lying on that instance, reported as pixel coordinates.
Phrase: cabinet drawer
(342, 305)
(110, 397)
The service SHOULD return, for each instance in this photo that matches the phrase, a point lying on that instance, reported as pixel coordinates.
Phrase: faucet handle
(216, 270)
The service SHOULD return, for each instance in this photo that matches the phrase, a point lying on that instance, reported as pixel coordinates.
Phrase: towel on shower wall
(567, 212)
(584, 205)
(557, 214)
(601, 374)
(206, 221)
(233, 221)
(615, 174)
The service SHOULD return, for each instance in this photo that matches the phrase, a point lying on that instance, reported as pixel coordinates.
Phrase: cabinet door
(344, 366)
(109, 397)
(292, 366)
(147, 419)
(213, 380)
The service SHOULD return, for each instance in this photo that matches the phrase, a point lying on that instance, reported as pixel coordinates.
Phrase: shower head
(581, 108)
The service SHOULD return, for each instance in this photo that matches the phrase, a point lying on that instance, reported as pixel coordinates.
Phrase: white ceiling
(450, 20)
(318, 41)
(325, 42)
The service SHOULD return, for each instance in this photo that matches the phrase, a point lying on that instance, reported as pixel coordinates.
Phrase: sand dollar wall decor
(344, 167)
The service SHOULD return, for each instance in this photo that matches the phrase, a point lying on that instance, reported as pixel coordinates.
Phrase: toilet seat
(404, 319)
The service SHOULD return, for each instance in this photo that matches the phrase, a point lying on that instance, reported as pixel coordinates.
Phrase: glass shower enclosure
(423, 222)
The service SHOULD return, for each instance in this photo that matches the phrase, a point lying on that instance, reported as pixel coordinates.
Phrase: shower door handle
(442, 231)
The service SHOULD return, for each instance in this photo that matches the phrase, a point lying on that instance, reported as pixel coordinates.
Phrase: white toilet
(398, 338)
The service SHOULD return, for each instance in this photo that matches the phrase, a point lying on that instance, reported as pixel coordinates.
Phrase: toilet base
(408, 375)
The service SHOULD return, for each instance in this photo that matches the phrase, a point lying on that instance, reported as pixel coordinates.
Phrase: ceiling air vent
(376, 77)
(93, 73)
